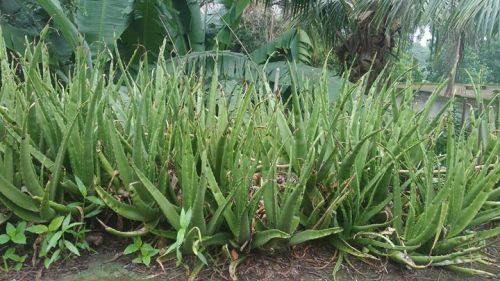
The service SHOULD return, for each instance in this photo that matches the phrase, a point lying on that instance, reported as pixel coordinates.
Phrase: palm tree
(364, 31)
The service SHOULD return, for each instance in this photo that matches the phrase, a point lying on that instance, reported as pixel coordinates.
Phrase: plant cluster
(179, 158)
(51, 241)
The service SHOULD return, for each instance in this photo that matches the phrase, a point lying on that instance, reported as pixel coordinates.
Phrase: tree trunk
(457, 55)
(364, 50)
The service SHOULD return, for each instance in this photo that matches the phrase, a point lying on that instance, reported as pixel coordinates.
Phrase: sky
(422, 36)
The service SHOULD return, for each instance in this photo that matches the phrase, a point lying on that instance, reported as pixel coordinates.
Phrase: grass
(181, 159)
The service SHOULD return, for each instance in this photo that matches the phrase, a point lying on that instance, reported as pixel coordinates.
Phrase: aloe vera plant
(178, 157)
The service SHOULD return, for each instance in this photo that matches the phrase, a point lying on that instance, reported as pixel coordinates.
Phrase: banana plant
(182, 25)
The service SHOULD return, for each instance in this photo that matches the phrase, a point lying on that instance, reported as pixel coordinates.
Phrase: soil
(313, 261)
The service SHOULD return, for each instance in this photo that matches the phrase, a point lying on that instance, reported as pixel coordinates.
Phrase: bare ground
(313, 261)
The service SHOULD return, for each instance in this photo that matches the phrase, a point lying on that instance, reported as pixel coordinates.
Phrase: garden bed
(183, 166)
(313, 261)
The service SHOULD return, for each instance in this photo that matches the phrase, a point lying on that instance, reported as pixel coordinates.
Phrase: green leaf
(304, 74)
(37, 229)
(19, 264)
(10, 230)
(10, 252)
(16, 196)
(21, 227)
(18, 259)
(132, 248)
(4, 238)
(50, 191)
(294, 44)
(93, 213)
(19, 238)
(27, 170)
(71, 247)
(190, 24)
(126, 173)
(55, 224)
(81, 187)
(230, 20)
(21, 212)
(124, 210)
(148, 27)
(65, 224)
(228, 65)
(262, 237)
(147, 249)
(55, 256)
(311, 234)
(167, 208)
(185, 218)
(146, 260)
(103, 20)
(54, 240)
(54, 9)
(15, 37)
(95, 200)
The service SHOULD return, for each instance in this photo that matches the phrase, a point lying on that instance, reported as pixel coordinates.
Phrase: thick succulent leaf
(16, 196)
(312, 234)
(168, 209)
(263, 237)
(20, 212)
(124, 210)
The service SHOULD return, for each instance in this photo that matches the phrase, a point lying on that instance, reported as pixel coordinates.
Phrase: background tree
(363, 32)
(482, 62)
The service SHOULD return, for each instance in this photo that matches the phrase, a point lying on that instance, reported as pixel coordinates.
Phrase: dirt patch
(314, 261)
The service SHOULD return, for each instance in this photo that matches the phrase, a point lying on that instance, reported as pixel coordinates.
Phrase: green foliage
(57, 239)
(10, 255)
(15, 235)
(184, 159)
(185, 220)
(129, 24)
(60, 237)
(413, 64)
(295, 40)
(258, 25)
(146, 251)
(479, 65)
(136, 28)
